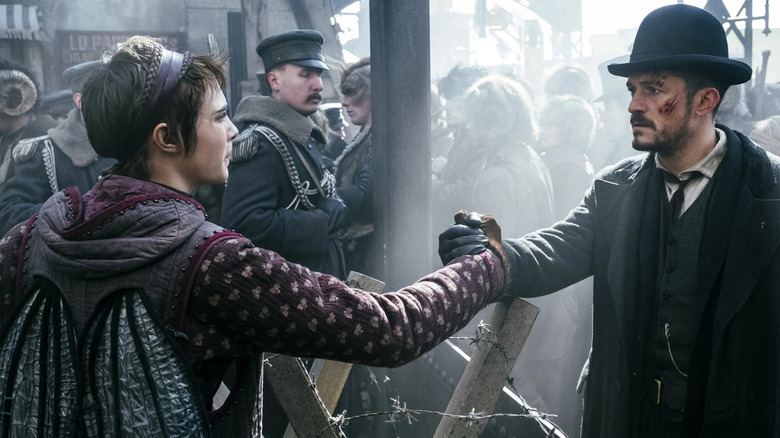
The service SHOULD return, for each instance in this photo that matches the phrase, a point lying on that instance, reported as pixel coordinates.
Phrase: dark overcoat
(44, 165)
(259, 199)
(733, 380)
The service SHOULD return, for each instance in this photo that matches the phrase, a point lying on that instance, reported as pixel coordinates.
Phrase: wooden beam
(487, 370)
(297, 394)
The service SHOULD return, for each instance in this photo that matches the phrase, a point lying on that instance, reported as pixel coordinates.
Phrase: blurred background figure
(733, 111)
(337, 129)
(455, 175)
(354, 169)
(613, 137)
(766, 133)
(569, 79)
(57, 104)
(512, 180)
(566, 127)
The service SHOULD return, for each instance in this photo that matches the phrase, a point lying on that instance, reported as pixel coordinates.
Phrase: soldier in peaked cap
(683, 244)
(279, 193)
(45, 164)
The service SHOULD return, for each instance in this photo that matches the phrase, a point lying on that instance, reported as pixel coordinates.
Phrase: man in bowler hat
(45, 164)
(683, 243)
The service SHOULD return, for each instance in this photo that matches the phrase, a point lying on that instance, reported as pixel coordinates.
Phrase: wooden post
(308, 404)
(298, 396)
(486, 372)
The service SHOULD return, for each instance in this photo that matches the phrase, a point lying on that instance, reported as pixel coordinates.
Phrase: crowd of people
(648, 209)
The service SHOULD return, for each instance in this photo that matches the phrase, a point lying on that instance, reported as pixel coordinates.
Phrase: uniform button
(618, 386)
(670, 268)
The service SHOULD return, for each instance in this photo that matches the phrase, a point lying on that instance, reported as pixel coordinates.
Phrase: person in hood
(163, 116)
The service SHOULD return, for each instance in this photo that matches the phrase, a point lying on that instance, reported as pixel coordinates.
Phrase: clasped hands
(472, 233)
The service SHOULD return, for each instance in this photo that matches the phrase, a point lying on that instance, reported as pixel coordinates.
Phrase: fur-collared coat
(733, 383)
(260, 201)
(44, 165)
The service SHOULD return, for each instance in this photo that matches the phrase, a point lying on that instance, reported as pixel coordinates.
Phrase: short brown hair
(116, 95)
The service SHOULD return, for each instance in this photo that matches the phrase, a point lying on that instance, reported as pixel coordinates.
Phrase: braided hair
(140, 85)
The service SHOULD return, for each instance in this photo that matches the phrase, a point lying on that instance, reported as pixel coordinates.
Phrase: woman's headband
(168, 74)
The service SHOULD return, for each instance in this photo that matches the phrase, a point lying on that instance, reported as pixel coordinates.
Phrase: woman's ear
(161, 141)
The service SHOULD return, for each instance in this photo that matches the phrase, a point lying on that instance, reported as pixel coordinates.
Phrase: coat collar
(71, 138)
(280, 116)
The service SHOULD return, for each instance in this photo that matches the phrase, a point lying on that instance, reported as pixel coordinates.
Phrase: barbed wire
(399, 411)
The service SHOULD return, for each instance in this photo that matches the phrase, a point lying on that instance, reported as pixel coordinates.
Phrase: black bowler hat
(76, 75)
(299, 47)
(685, 38)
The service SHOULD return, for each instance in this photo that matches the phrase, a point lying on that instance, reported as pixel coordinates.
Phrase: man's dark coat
(258, 196)
(614, 235)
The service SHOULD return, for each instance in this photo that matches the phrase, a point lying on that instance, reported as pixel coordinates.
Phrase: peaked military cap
(57, 103)
(299, 47)
(76, 75)
(334, 115)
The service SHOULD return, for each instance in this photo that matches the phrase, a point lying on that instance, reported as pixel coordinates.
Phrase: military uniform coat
(44, 165)
(733, 384)
(260, 200)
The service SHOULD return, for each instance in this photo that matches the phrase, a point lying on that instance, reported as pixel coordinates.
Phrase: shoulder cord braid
(47, 153)
(302, 190)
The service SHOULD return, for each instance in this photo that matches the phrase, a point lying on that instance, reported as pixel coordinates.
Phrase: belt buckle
(657, 384)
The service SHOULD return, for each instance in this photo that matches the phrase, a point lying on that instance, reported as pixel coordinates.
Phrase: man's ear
(273, 80)
(161, 141)
(77, 100)
(708, 99)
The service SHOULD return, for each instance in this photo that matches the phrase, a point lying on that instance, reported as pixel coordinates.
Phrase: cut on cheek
(668, 106)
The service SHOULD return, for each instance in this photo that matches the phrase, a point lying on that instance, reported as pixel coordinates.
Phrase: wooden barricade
(485, 375)
(308, 404)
